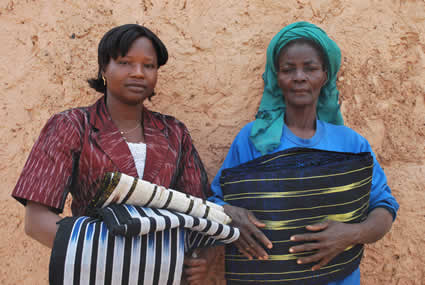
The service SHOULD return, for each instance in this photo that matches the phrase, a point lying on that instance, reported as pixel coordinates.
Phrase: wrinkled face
(132, 78)
(300, 75)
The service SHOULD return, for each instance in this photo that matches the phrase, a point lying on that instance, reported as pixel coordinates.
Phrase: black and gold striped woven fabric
(289, 190)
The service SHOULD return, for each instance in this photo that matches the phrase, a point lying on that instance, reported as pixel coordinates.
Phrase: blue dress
(327, 137)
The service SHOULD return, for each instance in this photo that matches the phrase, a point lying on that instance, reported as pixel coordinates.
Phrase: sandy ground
(213, 83)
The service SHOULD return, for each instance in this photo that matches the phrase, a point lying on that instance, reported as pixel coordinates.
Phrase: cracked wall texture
(212, 83)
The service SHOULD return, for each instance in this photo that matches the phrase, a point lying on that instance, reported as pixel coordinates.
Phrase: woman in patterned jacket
(78, 146)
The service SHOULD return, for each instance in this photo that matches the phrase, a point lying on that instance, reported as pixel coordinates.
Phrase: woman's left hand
(333, 239)
(196, 270)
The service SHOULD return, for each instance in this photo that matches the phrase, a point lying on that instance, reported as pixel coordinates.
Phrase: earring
(104, 80)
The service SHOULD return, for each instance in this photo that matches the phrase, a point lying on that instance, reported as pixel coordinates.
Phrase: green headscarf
(268, 126)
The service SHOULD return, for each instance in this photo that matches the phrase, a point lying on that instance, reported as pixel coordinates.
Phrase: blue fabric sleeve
(232, 159)
(240, 151)
(380, 194)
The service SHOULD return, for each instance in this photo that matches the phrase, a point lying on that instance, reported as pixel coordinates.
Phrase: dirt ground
(212, 83)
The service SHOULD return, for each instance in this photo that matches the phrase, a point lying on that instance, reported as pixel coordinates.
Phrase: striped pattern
(123, 189)
(129, 220)
(78, 146)
(289, 190)
(87, 252)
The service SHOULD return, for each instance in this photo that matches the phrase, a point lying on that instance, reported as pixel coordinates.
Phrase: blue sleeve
(232, 159)
(380, 194)
(240, 151)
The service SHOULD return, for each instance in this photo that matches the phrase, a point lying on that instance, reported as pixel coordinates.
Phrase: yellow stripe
(298, 271)
(290, 256)
(286, 224)
(282, 155)
(312, 208)
(282, 257)
(289, 279)
(297, 178)
(281, 241)
(301, 193)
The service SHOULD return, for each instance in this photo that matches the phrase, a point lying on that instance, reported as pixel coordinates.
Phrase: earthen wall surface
(212, 83)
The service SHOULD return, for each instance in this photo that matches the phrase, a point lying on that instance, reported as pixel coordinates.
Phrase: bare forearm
(40, 223)
(377, 224)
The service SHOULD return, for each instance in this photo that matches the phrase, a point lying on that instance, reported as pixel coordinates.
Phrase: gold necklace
(130, 131)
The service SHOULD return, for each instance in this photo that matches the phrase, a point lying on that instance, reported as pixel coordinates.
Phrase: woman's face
(132, 78)
(300, 75)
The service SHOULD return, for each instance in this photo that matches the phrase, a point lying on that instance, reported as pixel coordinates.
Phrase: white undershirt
(138, 151)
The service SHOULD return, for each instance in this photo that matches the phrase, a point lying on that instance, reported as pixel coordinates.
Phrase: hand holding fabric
(196, 270)
(250, 234)
(333, 238)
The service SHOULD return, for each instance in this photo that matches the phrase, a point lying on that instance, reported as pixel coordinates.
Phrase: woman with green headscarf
(300, 109)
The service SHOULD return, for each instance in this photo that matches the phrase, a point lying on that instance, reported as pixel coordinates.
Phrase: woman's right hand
(248, 226)
(40, 223)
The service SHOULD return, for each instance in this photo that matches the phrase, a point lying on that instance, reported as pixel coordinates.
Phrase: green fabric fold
(267, 130)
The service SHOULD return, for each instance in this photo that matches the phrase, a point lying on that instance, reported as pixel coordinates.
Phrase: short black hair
(316, 46)
(116, 42)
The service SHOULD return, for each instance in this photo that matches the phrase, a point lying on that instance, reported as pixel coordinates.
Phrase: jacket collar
(157, 147)
(110, 140)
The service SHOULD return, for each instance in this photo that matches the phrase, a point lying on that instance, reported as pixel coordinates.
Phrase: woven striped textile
(129, 220)
(87, 252)
(135, 232)
(120, 188)
(289, 190)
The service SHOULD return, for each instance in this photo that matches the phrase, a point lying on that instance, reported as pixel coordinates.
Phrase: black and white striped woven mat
(150, 251)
